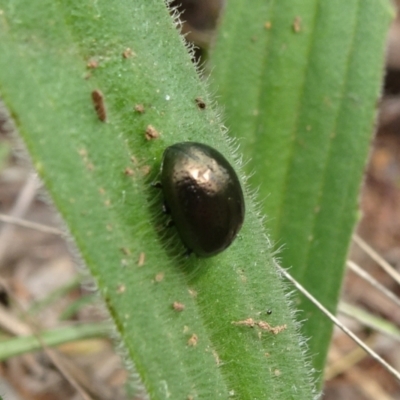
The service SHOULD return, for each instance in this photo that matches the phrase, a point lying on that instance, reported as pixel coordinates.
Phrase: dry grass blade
(31, 225)
(373, 282)
(376, 257)
(19, 209)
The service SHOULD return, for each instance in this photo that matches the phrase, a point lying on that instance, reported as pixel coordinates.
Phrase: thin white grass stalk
(376, 257)
(347, 331)
(373, 282)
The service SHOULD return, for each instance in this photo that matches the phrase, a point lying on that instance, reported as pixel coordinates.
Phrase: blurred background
(41, 288)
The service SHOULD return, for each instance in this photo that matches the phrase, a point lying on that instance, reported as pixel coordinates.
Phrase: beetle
(203, 194)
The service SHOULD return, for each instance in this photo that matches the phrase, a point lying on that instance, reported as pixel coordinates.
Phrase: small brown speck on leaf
(92, 63)
(128, 171)
(101, 190)
(99, 105)
(151, 133)
(142, 259)
(126, 251)
(178, 306)
(121, 288)
(145, 169)
(268, 25)
(128, 53)
(265, 326)
(139, 108)
(192, 292)
(297, 24)
(193, 340)
(216, 357)
(159, 277)
(277, 372)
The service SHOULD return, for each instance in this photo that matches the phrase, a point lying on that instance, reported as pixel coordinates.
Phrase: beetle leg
(156, 185)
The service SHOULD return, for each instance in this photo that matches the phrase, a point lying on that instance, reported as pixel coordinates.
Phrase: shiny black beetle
(203, 194)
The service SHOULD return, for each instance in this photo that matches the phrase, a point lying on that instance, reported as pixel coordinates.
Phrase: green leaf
(98, 175)
(299, 81)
